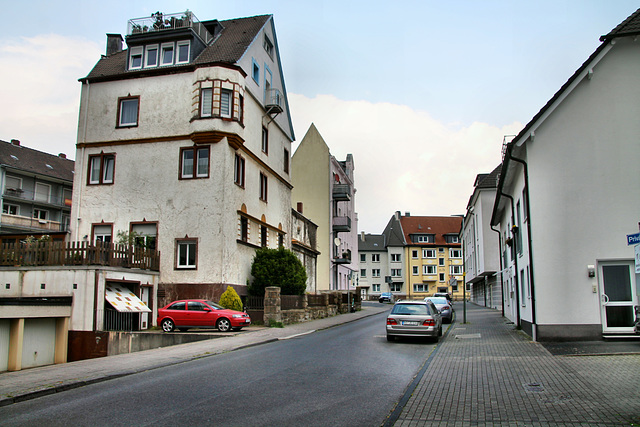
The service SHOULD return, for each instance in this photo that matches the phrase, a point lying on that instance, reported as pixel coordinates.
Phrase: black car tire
(440, 331)
(391, 338)
(223, 325)
(167, 325)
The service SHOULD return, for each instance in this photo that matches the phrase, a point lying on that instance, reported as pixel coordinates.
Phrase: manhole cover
(467, 336)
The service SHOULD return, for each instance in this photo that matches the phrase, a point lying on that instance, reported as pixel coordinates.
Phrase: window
(265, 140)
(255, 72)
(196, 306)
(128, 111)
(441, 278)
(194, 162)
(178, 306)
(263, 187)
(183, 52)
(145, 234)
(420, 287)
(375, 257)
(42, 193)
(396, 272)
(428, 269)
(455, 269)
(441, 261)
(518, 231)
(40, 214)
(241, 108)
(10, 209)
(268, 46)
(363, 257)
(151, 59)
(13, 185)
(206, 95)
(186, 253)
(523, 300)
(264, 236)
(375, 287)
(135, 58)
(452, 239)
(238, 176)
(441, 250)
(414, 254)
(395, 257)
(101, 169)
(416, 271)
(286, 161)
(375, 272)
(226, 96)
(363, 272)
(395, 287)
(428, 253)
(166, 57)
(455, 253)
(425, 238)
(102, 233)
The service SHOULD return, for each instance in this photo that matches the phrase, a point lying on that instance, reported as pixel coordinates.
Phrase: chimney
(299, 207)
(407, 213)
(15, 142)
(62, 156)
(114, 43)
(362, 235)
(397, 215)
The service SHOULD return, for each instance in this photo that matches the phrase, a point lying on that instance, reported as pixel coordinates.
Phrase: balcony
(342, 258)
(18, 194)
(341, 224)
(341, 192)
(273, 101)
(30, 224)
(158, 22)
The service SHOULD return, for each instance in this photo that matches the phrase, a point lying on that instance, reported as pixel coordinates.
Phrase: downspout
(80, 162)
(534, 327)
(501, 268)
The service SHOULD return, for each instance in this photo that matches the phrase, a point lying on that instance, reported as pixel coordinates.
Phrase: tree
(277, 267)
(230, 299)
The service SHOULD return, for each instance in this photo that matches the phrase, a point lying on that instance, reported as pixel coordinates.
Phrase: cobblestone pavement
(486, 373)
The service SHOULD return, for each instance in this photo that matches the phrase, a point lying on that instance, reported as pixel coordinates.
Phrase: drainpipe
(79, 165)
(501, 268)
(534, 327)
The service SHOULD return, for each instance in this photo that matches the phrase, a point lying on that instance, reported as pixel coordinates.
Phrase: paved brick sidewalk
(486, 373)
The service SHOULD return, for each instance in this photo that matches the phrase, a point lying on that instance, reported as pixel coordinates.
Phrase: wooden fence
(78, 253)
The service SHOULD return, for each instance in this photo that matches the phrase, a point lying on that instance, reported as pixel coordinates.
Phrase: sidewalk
(35, 382)
(486, 373)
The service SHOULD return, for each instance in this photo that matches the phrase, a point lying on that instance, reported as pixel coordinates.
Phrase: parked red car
(200, 313)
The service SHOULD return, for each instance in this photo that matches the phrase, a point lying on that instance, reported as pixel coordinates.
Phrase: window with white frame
(440, 261)
(375, 257)
(363, 272)
(396, 272)
(428, 269)
(13, 185)
(238, 175)
(186, 253)
(226, 97)
(206, 98)
(414, 254)
(375, 287)
(452, 238)
(102, 233)
(420, 287)
(135, 57)
(395, 257)
(40, 214)
(455, 253)
(428, 253)
(263, 187)
(10, 209)
(441, 278)
(101, 169)
(151, 56)
(416, 270)
(128, 111)
(425, 238)
(265, 140)
(183, 48)
(42, 193)
(363, 257)
(167, 54)
(395, 287)
(375, 272)
(194, 162)
(455, 269)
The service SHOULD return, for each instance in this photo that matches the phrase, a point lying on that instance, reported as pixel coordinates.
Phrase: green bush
(231, 300)
(277, 267)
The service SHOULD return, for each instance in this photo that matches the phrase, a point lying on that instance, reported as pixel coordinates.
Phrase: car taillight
(391, 322)
(429, 322)
(446, 307)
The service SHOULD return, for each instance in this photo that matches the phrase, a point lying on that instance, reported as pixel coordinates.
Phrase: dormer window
(166, 57)
(135, 58)
(151, 56)
(183, 52)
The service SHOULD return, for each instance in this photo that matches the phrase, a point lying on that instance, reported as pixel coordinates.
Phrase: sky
(421, 93)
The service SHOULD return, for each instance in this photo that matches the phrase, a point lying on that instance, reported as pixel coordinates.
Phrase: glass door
(617, 296)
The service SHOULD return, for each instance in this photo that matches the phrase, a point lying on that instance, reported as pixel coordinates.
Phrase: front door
(617, 296)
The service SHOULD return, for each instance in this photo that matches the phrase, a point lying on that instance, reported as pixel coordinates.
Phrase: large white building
(184, 142)
(569, 194)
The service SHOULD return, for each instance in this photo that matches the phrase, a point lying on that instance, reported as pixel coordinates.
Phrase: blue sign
(633, 239)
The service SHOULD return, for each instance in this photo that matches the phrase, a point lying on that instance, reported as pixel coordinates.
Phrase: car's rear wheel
(167, 325)
(391, 338)
(440, 331)
(223, 325)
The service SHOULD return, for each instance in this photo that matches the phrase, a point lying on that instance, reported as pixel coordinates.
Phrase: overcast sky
(420, 92)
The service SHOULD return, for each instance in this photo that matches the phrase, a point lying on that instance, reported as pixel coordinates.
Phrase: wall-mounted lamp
(591, 269)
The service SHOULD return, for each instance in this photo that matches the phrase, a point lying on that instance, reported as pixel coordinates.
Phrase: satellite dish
(337, 241)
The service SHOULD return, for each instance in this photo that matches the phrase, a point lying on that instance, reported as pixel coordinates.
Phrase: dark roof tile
(36, 162)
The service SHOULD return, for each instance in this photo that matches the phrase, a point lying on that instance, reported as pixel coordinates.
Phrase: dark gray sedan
(414, 319)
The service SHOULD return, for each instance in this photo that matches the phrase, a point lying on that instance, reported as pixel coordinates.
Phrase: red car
(200, 313)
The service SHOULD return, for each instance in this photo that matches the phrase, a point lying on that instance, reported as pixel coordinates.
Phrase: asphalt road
(346, 375)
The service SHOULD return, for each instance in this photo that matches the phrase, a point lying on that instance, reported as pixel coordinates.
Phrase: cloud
(404, 159)
(40, 89)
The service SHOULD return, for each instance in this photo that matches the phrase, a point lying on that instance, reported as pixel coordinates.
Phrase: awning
(123, 300)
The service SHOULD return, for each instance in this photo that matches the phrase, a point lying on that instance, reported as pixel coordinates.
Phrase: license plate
(410, 323)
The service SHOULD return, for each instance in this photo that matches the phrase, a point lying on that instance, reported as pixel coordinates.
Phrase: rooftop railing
(168, 21)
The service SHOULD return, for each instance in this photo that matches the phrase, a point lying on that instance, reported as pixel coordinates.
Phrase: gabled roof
(371, 243)
(628, 27)
(393, 232)
(488, 180)
(227, 48)
(37, 162)
(438, 225)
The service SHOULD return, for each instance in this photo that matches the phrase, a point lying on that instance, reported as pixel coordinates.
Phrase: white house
(184, 143)
(568, 195)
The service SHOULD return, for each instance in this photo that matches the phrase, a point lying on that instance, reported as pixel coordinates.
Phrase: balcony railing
(78, 253)
(341, 192)
(342, 258)
(273, 101)
(341, 224)
(31, 196)
(26, 222)
(168, 21)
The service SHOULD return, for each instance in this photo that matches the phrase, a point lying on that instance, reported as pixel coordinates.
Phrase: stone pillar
(272, 307)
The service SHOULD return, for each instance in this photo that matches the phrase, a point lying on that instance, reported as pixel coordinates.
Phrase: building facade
(325, 187)
(184, 143)
(374, 265)
(569, 194)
